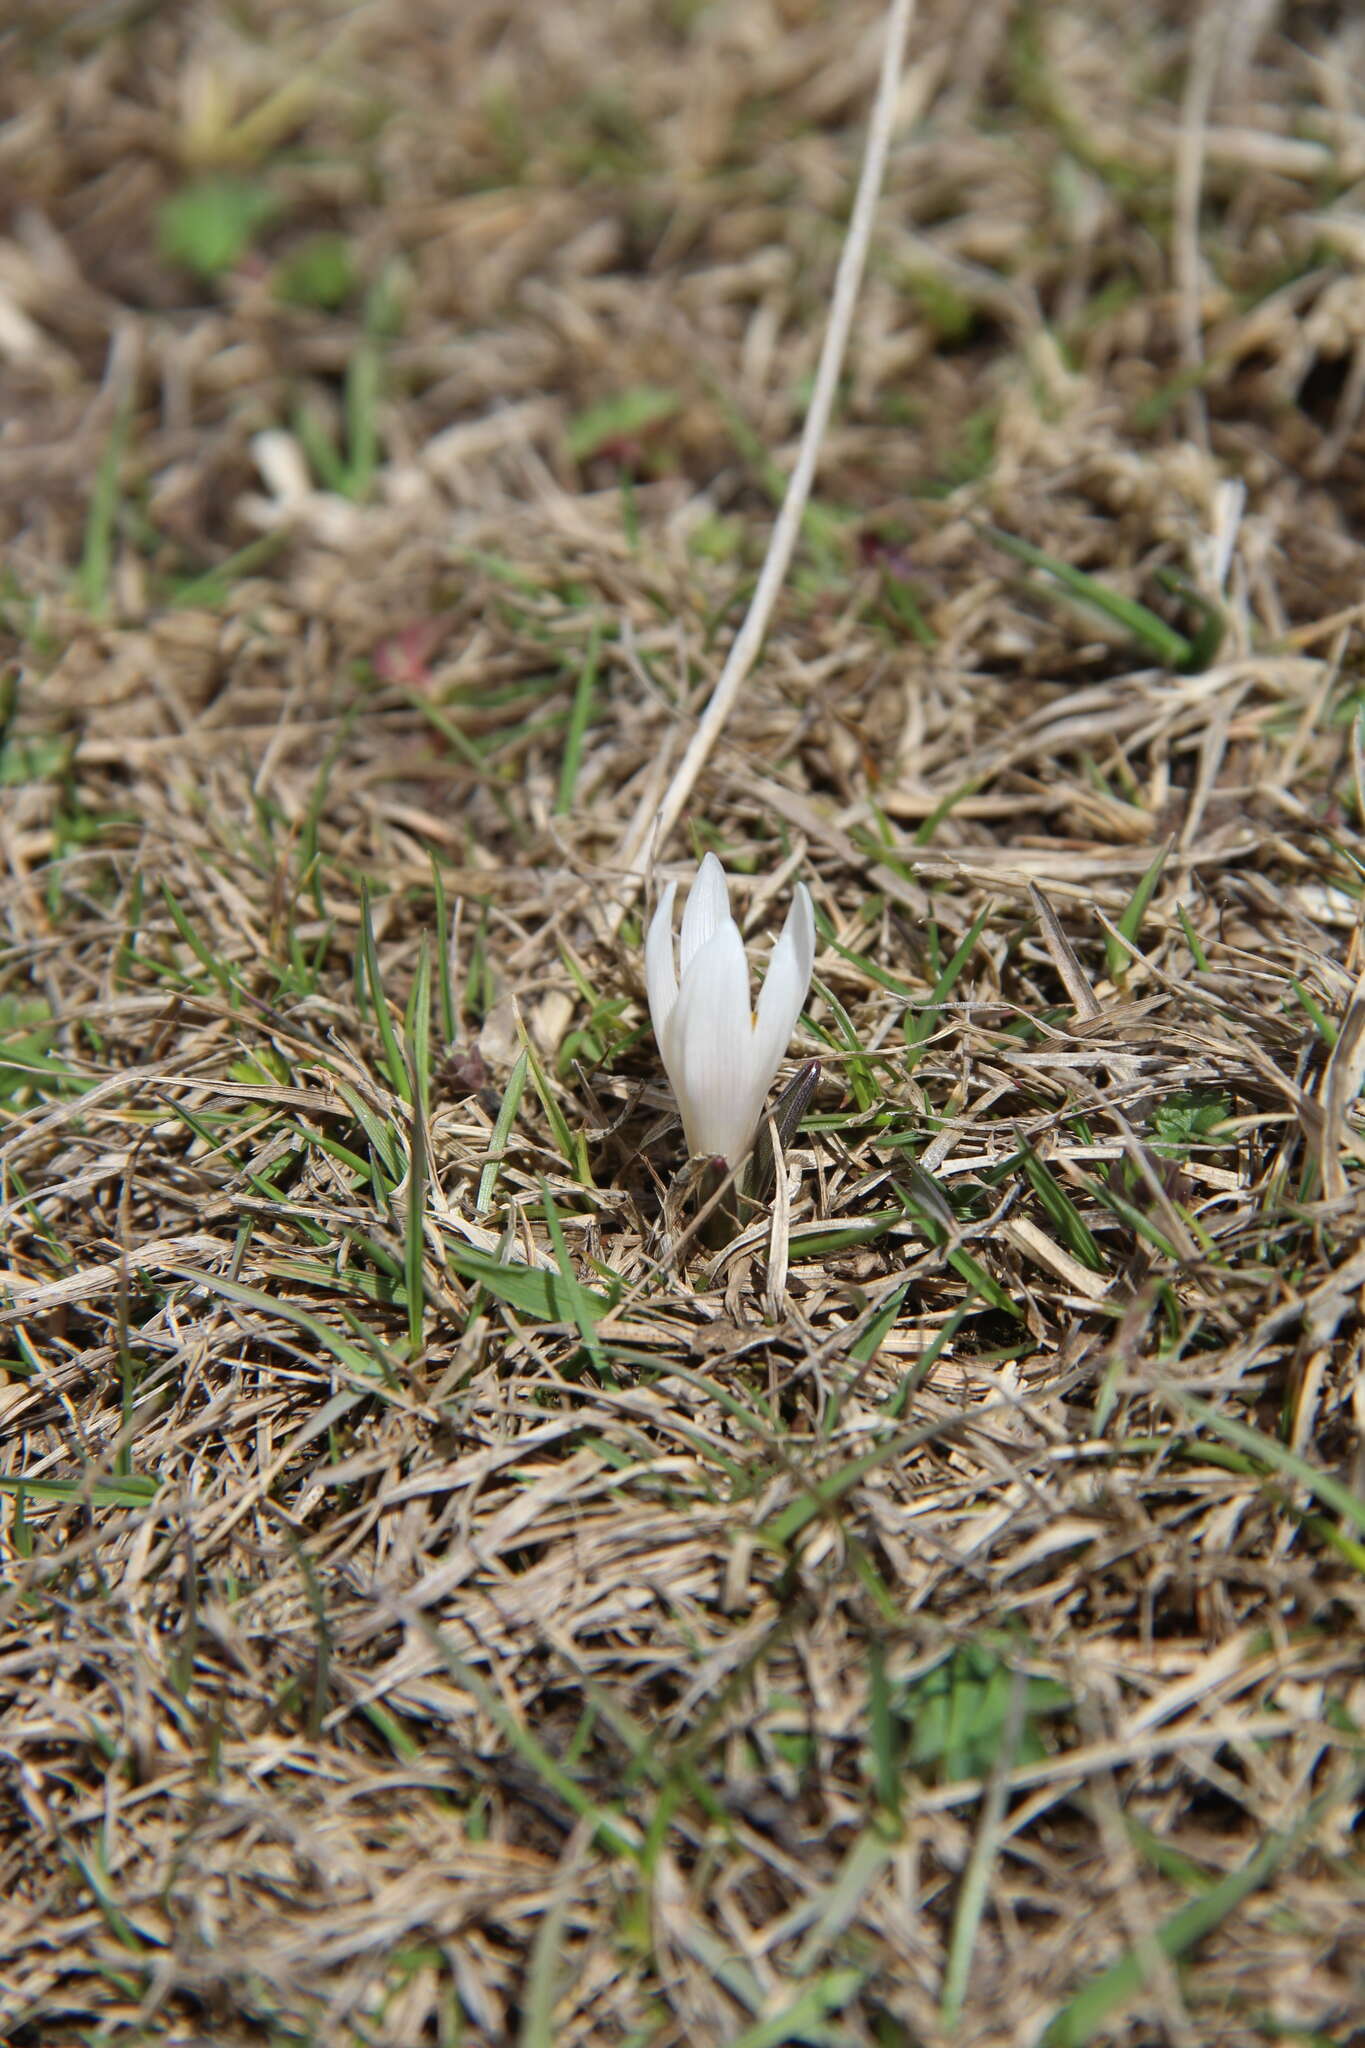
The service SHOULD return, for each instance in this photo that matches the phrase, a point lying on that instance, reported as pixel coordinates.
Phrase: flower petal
(708, 908)
(661, 976)
(708, 1049)
(784, 991)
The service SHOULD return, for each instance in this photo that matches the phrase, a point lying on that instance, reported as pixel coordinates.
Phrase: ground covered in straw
(445, 1598)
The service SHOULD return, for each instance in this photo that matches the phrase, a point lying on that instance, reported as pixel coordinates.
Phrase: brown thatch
(443, 1598)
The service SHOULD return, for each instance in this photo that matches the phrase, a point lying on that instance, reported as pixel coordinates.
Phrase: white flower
(719, 1054)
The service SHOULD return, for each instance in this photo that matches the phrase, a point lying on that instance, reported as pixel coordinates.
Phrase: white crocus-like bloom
(720, 1054)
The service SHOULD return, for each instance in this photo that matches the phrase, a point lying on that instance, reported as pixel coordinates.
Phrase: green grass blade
(546, 1968)
(444, 987)
(883, 1746)
(1081, 2019)
(614, 1834)
(414, 1244)
(1213, 623)
(924, 1203)
(1062, 1212)
(393, 1056)
(101, 519)
(580, 713)
(1128, 1213)
(1116, 955)
(1330, 1491)
(127, 1490)
(417, 1028)
(502, 1131)
(218, 970)
(863, 962)
(533, 1291)
(363, 376)
(582, 1305)
(1317, 1016)
(1170, 648)
(927, 827)
(827, 1491)
(861, 1078)
(383, 1288)
(870, 1342)
(919, 1027)
(363, 1363)
(822, 1240)
(212, 589)
(1197, 953)
(382, 1140)
(976, 1878)
(572, 1150)
(460, 744)
(313, 437)
(801, 2020)
(91, 1869)
(914, 1379)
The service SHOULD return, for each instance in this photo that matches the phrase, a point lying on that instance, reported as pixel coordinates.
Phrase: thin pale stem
(648, 835)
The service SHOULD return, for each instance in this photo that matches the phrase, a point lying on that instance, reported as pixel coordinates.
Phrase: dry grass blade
(777, 559)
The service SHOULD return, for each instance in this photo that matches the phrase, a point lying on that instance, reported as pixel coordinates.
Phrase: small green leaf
(41, 757)
(1187, 1118)
(321, 272)
(955, 1713)
(209, 225)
